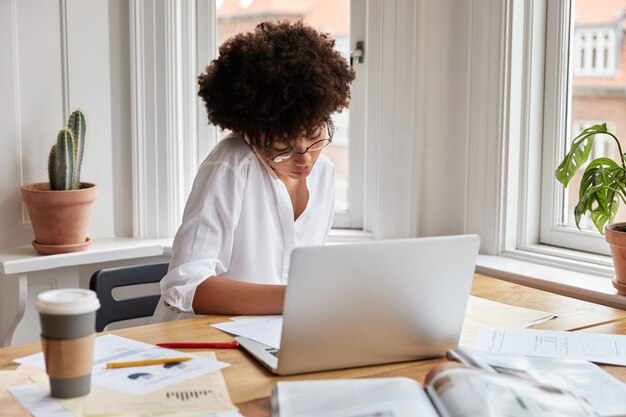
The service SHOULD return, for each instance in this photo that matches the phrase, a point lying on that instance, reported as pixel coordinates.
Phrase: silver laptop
(371, 303)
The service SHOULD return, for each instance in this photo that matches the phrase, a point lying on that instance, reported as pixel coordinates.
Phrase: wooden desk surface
(250, 384)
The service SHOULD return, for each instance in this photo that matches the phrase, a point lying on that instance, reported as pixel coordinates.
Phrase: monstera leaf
(603, 183)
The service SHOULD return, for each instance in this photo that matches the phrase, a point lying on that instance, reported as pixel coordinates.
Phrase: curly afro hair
(274, 84)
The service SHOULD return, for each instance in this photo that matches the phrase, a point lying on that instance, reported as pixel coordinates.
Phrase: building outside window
(594, 48)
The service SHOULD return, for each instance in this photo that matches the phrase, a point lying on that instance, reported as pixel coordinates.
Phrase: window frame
(517, 172)
(352, 217)
(177, 39)
(511, 159)
(524, 161)
(557, 125)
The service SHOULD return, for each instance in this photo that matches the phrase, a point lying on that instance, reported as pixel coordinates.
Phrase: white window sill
(348, 236)
(586, 278)
(25, 259)
(567, 272)
(561, 279)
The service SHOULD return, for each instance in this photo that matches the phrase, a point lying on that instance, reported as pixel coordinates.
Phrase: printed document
(593, 347)
(136, 380)
(40, 404)
(206, 393)
(263, 329)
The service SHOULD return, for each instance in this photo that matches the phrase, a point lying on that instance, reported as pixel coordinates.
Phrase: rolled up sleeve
(204, 242)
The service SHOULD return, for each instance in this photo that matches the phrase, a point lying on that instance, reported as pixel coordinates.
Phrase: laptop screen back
(377, 302)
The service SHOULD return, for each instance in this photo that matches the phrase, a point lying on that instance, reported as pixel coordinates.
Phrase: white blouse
(239, 224)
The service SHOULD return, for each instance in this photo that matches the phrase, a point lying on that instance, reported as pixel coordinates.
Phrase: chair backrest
(111, 310)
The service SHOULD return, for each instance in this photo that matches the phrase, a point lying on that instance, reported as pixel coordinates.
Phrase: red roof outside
(598, 12)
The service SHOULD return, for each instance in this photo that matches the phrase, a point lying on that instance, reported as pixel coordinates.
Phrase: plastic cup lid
(67, 301)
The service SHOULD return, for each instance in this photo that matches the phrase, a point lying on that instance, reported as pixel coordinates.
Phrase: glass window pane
(597, 87)
(235, 16)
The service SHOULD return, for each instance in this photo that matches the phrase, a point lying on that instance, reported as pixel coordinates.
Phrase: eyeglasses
(283, 156)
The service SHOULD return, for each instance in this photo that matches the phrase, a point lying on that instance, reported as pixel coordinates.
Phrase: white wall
(119, 65)
(59, 55)
(55, 58)
(444, 116)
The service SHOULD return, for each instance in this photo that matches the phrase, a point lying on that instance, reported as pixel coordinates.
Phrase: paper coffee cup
(68, 323)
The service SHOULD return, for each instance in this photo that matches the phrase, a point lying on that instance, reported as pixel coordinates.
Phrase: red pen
(199, 345)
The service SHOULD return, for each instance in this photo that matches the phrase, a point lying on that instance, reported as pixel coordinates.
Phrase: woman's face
(299, 162)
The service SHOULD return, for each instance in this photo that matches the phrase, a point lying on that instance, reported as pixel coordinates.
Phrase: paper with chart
(37, 401)
(136, 380)
(594, 347)
(200, 395)
(263, 329)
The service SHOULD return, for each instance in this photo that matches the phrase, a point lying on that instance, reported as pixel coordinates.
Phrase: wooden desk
(250, 384)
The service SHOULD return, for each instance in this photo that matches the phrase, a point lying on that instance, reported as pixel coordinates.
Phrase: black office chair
(112, 310)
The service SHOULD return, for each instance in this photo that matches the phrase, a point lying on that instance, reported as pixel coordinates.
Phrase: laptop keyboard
(272, 351)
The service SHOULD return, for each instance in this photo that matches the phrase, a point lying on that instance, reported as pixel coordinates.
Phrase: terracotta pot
(59, 218)
(617, 242)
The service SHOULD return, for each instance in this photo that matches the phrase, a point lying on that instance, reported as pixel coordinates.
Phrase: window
(170, 46)
(235, 16)
(591, 89)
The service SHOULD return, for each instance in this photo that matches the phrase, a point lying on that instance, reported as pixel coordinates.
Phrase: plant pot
(617, 242)
(59, 218)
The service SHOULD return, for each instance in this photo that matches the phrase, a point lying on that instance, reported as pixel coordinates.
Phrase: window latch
(357, 54)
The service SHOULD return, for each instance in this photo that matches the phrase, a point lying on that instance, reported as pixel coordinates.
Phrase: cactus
(66, 156)
(76, 124)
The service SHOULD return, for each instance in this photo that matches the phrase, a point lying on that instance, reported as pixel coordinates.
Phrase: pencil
(199, 345)
(147, 362)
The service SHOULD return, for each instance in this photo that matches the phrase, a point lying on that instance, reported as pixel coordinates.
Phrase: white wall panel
(445, 66)
(121, 124)
(90, 90)
(40, 80)
(31, 104)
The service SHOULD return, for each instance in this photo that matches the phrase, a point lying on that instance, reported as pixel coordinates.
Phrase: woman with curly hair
(266, 187)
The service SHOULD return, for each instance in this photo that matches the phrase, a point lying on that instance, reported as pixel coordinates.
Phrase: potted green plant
(602, 186)
(60, 209)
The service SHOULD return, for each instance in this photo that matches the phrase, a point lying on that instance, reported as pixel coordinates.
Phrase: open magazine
(605, 393)
(455, 392)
